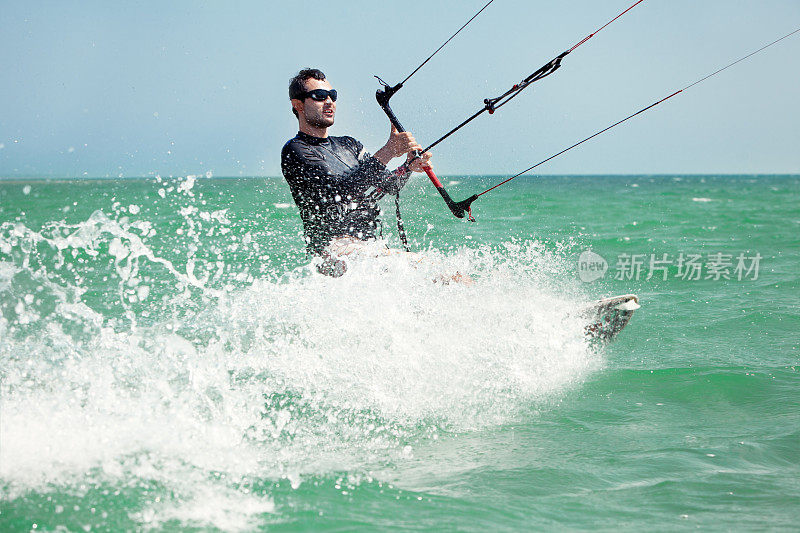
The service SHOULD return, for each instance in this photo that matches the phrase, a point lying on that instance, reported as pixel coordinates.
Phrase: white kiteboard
(607, 317)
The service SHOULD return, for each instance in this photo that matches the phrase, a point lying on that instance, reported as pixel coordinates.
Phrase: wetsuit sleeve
(395, 181)
(375, 172)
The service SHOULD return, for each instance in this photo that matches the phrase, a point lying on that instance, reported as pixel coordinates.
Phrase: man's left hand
(422, 163)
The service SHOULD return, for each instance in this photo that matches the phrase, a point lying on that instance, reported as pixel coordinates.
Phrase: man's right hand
(399, 143)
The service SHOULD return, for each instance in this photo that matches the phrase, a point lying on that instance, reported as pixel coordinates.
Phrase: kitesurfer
(334, 181)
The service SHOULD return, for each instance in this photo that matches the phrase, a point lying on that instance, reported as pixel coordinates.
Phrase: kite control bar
(459, 209)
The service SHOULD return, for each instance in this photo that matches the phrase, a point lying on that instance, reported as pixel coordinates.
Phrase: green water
(170, 360)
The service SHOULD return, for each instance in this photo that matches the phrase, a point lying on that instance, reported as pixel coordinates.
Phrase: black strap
(401, 230)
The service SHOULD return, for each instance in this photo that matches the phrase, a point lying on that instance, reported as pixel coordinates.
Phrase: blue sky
(170, 88)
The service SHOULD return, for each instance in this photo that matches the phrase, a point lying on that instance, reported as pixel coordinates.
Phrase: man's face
(319, 114)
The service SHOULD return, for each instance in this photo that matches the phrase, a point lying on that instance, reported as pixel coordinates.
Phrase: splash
(196, 386)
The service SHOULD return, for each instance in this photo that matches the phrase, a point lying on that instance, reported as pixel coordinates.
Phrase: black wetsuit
(333, 182)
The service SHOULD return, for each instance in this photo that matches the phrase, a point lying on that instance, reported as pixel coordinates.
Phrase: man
(335, 183)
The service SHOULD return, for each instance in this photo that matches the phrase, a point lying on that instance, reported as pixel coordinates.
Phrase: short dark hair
(297, 85)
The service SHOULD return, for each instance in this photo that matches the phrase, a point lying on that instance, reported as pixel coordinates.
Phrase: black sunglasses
(320, 95)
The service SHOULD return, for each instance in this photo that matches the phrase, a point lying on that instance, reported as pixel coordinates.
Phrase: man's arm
(399, 143)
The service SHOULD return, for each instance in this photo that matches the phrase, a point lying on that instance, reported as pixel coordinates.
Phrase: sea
(171, 360)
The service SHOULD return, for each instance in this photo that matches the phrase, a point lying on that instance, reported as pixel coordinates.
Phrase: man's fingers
(402, 142)
(423, 162)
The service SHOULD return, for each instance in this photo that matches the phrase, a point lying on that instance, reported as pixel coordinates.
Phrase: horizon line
(450, 176)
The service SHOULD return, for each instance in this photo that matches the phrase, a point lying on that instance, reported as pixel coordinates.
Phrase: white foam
(288, 378)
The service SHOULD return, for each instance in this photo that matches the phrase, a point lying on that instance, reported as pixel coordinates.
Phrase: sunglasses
(319, 95)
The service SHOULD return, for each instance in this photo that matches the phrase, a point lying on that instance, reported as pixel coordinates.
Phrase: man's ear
(297, 105)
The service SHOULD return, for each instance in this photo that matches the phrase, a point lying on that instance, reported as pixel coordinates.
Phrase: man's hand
(399, 143)
(422, 163)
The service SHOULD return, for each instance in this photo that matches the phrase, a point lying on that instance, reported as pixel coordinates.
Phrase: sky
(146, 88)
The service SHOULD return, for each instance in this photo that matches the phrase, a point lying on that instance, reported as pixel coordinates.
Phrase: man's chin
(322, 122)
